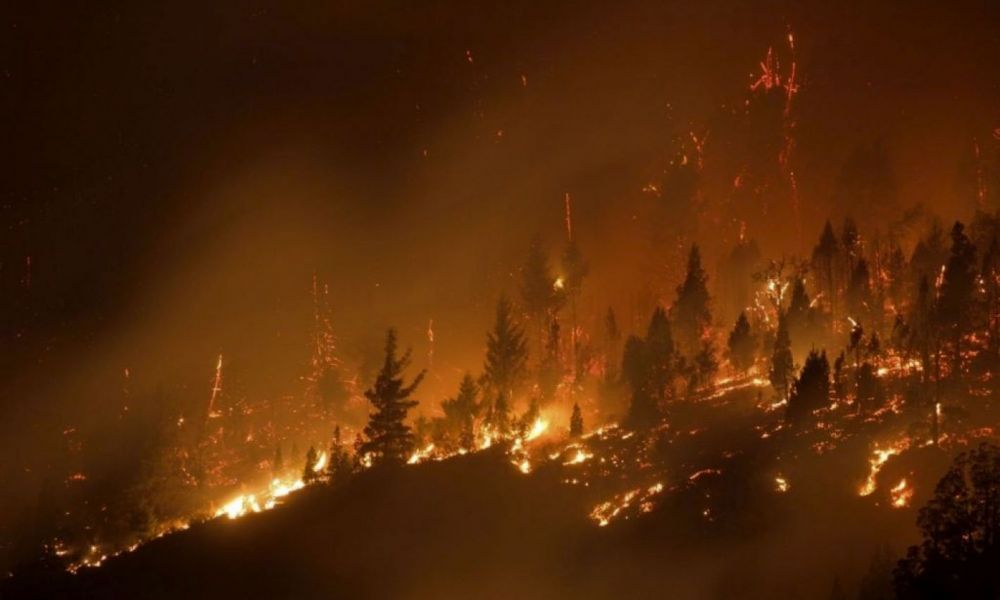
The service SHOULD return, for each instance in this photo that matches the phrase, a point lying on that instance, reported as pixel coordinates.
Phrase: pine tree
(506, 353)
(691, 311)
(660, 356)
(781, 360)
(576, 422)
(859, 293)
(955, 303)
(309, 473)
(643, 411)
(824, 259)
(539, 290)
(868, 388)
(742, 344)
(706, 365)
(811, 391)
(340, 467)
(388, 440)
(550, 370)
(498, 418)
(461, 411)
(800, 312)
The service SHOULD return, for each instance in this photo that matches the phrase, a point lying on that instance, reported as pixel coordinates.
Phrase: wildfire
(781, 484)
(605, 512)
(245, 504)
(901, 494)
(580, 457)
(878, 459)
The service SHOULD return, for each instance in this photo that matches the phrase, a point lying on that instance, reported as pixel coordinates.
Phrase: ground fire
(540, 301)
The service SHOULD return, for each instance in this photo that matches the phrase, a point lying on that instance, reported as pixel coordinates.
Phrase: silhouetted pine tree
(550, 369)
(461, 411)
(691, 312)
(660, 356)
(811, 390)
(782, 367)
(576, 422)
(742, 344)
(506, 353)
(643, 411)
(309, 473)
(538, 292)
(824, 261)
(340, 466)
(799, 313)
(956, 297)
(388, 440)
(859, 293)
(868, 394)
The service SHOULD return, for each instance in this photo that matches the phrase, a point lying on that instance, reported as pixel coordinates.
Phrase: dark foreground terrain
(475, 527)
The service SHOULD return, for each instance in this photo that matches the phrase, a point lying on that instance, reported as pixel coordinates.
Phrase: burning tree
(956, 295)
(388, 440)
(782, 366)
(461, 411)
(506, 353)
(742, 344)
(811, 391)
(649, 368)
(576, 422)
(691, 312)
(824, 261)
(541, 293)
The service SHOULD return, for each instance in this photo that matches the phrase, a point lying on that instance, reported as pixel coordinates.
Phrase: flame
(879, 458)
(579, 457)
(781, 484)
(901, 494)
(558, 284)
(420, 454)
(537, 428)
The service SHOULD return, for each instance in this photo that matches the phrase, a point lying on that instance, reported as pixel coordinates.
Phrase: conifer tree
(388, 440)
(824, 259)
(506, 353)
(781, 360)
(309, 473)
(811, 390)
(576, 422)
(339, 468)
(643, 411)
(742, 344)
(956, 297)
(660, 356)
(691, 313)
(868, 388)
(462, 410)
(539, 292)
(550, 369)
(859, 293)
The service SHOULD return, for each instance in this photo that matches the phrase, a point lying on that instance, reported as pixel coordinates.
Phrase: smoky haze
(179, 175)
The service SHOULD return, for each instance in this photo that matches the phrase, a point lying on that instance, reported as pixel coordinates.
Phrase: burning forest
(453, 301)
